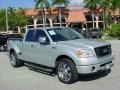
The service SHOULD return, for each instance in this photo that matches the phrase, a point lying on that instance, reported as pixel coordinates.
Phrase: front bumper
(89, 69)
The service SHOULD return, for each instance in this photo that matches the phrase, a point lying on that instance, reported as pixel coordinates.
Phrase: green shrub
(114, 30)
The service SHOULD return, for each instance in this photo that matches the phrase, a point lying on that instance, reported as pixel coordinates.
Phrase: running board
(40, 67)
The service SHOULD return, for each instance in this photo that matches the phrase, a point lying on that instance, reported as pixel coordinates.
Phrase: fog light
(93, 68)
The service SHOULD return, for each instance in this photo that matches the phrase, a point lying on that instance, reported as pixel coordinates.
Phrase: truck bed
(15, 43)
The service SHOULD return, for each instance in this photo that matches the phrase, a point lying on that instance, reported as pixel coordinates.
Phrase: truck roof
(43, 28)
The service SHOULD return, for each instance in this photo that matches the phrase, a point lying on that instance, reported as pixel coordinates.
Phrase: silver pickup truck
(63, 50)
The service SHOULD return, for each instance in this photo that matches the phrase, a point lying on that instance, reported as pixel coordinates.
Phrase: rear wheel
(66, 71)
(15, 62)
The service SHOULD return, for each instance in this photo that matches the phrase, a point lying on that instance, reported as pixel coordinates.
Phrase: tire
(66, 71)
(15, 62)
(2, 48)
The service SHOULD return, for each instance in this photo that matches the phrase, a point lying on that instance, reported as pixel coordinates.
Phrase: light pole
(45, 17)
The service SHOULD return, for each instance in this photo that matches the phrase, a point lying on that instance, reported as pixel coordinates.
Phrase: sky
(30, 3)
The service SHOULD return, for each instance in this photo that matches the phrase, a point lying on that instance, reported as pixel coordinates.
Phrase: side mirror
(43, 40)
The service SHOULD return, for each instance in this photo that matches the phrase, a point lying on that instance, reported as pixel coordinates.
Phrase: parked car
(92, 33)
(61, 50)
(95, 33)
(14, 36)
(3, 42)
(4, 38)
(87, 34)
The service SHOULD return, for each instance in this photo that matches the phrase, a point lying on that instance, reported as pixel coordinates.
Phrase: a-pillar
(35, 23)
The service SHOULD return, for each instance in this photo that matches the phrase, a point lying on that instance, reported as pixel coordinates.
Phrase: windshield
(63, 34)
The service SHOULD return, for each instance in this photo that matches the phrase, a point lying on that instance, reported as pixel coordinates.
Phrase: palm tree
(12, 15)
(116, 5)
(106, 5)
(92, 5)
(60, 3)
(42, 4)
(2, 20)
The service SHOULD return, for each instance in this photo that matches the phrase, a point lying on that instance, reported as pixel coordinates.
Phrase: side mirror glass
(42, 40)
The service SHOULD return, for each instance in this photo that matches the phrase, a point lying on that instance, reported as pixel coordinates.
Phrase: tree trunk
(104, 19)
(93, 19)
(19, 30)
(119, 16)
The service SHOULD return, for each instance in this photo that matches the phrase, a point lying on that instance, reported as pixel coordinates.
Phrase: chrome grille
(103, 51)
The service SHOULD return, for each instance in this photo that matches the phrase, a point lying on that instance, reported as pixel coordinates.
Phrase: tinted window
(30, 35)
(38, 34)
(3, 36)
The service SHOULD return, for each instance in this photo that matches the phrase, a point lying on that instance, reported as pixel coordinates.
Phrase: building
(71, 16)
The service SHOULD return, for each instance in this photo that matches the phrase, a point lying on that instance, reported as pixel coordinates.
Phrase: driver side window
(40, 33)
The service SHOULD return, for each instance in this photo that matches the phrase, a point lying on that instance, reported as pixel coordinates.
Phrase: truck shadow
(91, 77)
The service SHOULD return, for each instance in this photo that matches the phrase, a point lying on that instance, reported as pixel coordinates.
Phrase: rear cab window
(30, 36)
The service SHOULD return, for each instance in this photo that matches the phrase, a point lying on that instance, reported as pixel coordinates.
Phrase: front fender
(67, 53)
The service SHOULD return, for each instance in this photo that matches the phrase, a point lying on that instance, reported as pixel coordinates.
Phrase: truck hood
(84, 43)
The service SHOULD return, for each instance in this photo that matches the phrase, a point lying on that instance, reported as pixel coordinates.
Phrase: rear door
(27, 45)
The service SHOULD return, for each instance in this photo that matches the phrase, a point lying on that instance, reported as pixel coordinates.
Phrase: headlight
(84, 53)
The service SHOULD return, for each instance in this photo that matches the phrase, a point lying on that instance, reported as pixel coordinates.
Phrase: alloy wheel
(64, 71)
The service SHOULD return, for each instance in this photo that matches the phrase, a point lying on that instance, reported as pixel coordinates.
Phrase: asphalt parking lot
(24, 79)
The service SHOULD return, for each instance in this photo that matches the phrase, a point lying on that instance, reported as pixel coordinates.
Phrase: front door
(41, 53)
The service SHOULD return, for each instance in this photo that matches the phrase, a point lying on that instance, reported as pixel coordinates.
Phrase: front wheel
(66, 71)
(15, 62)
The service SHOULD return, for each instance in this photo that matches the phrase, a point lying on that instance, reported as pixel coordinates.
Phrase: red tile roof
(115, 12)
(32, 12)
(53, 10)
(76, 17)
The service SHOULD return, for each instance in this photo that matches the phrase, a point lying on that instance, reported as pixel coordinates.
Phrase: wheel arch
(62, 57)
(11, 50)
